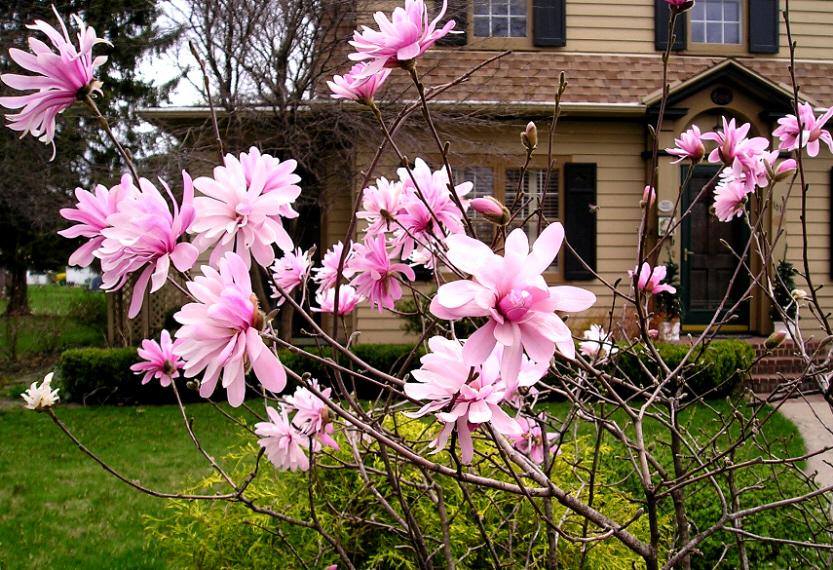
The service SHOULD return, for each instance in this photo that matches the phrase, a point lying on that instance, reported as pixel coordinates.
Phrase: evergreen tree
(32, 189)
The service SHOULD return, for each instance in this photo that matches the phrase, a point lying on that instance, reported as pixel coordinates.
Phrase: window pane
(500, 27)
(481, 26)
(714, 33)
(518, 28)
(698, 12)
(481, 7)
(714, 11)
(483, 180)
(698, 33)
(731, 11)
(731, 34)
(518, 7)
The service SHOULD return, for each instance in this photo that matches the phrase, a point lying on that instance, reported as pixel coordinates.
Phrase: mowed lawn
(58, 509)
(62, 317)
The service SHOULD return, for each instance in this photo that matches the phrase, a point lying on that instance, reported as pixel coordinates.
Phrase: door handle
(686, 253)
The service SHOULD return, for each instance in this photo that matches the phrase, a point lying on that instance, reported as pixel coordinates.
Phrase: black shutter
(763, 26)
(457, 10)
(580, 219)
(549, 23)
(662, 13)
(830, 224)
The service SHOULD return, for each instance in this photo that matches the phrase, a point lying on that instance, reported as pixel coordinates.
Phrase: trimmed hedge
(718, 372)
(103, 376)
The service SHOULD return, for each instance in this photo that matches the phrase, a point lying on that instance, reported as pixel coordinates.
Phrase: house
(729, 58)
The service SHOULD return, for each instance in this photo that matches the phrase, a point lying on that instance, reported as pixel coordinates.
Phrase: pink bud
(649, 196)
(491, 209)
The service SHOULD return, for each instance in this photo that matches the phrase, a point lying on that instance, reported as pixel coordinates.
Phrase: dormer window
(500, 18)
(716, 22)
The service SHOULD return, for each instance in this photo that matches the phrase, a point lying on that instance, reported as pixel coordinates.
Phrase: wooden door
(707, 265)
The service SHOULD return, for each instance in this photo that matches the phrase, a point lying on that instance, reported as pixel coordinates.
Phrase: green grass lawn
(58, 509)
(62, 317)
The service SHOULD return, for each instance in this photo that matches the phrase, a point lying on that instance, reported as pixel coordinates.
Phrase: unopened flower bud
(649, 196)
(798, 294)
(192, 385)
(258, 316)
(775, 339)
(491, 209)
(529, 137)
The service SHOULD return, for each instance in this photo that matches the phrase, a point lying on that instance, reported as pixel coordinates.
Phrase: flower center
(243, 211)
(515, 304)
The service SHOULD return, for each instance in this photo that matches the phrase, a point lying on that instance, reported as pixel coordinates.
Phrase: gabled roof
(732, 72)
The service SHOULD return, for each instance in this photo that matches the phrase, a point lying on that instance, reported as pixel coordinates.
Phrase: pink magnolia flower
(597, 343)
(649, 196)
(381, 205)
(689, 146)
(289, 272)
(91, 213)
(348, 299)
(729, 199)
(62, 75)
(327, 275)
(285, 445)
(733, 144)
(530, 441)
(400, 40)
(426, 203)
(160, 360)
(221, 332)
(467, 399)
(357, 85)
(243, 206)
(376, 277)
(510, 291)
(312, 416)
(680, 5)
(650, 280)
(143, 235)
(809, 133)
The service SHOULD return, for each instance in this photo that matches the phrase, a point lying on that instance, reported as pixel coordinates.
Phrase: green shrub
(103, 376)
(716, 371)
(208, 534)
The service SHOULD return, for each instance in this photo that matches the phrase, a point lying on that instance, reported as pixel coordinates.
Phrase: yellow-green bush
(229, 535)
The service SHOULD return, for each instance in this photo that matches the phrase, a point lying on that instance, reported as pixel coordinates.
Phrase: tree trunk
(17, 291)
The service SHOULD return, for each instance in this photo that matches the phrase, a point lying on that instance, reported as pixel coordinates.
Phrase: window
(504, 184)
(716, 22)
(532, 196)
(500, 18)
(483, 179)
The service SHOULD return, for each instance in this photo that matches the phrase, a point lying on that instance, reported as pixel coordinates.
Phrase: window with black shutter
(662, 14)
(764, 26)
(549, 23)
(580, 220)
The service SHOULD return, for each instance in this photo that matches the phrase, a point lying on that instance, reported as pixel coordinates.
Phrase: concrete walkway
(811, 414)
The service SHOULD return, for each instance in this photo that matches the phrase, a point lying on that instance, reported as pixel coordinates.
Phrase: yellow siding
(609, 26)
(818, 230)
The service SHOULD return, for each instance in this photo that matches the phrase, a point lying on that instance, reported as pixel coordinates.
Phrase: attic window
(500, 18)
(716, 22)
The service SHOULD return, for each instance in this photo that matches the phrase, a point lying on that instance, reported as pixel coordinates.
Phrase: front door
(707, 264)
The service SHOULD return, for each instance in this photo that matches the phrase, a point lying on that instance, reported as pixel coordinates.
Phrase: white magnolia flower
(43, 396)
(597, 343)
